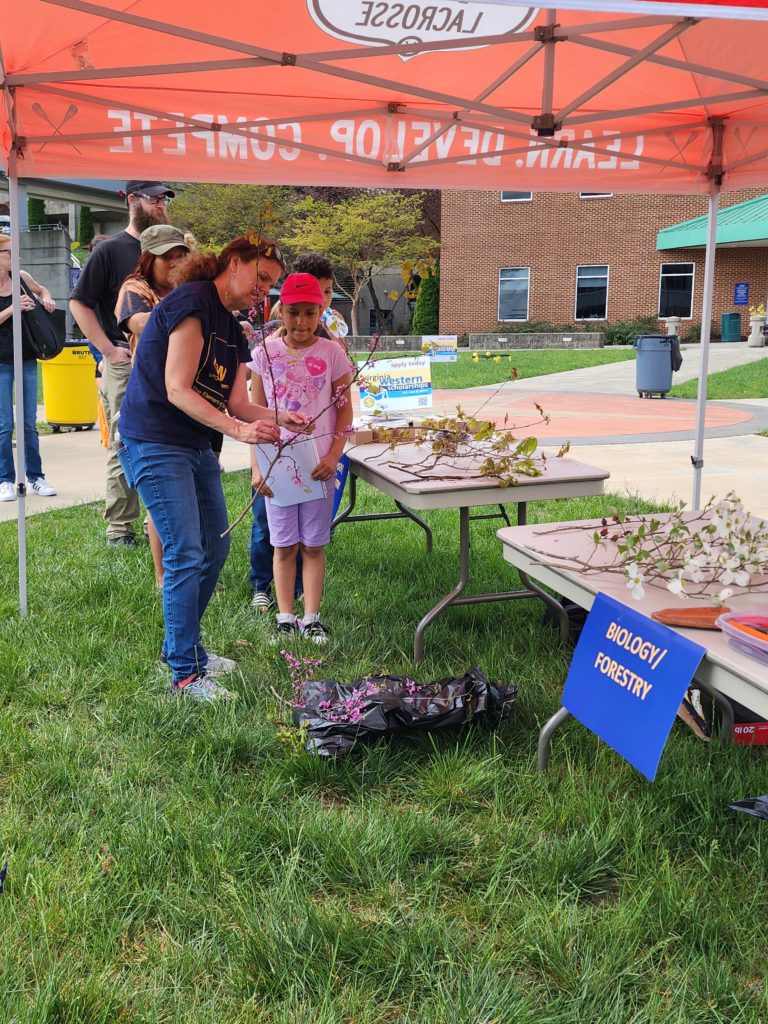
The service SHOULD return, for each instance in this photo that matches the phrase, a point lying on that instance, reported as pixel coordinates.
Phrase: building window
(595, 195)
(514, 285)
(676, 290)
(591, 293)
(516, 197)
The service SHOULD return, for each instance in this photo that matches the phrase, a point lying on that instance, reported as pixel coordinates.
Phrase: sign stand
(544, 745)
(627, 678)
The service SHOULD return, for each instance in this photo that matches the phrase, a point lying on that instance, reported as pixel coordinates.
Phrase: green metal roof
(736, 225)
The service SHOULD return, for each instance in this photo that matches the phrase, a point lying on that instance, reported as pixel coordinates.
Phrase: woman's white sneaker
(43, 488)
(7, 491)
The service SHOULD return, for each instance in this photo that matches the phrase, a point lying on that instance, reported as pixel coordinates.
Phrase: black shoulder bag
(40, 330)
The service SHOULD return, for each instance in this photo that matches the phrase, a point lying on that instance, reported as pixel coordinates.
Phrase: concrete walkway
(646, 444)
(619, 378)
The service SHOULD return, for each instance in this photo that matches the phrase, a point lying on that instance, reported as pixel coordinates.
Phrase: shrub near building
(426, 315)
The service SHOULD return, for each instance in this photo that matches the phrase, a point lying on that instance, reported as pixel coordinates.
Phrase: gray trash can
(654, 365)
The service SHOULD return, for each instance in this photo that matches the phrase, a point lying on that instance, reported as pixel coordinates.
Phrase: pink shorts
(307, 523)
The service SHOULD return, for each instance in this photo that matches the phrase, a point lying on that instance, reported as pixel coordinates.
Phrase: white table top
(542, 553)
(457, 484)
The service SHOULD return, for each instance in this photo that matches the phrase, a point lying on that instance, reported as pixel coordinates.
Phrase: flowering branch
(710, 554)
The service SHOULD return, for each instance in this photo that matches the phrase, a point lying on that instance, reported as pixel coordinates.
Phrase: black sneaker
(126, 541)
(285, 631)
(314, 631)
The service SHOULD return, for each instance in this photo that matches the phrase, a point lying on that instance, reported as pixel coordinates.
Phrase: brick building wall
(557, 232)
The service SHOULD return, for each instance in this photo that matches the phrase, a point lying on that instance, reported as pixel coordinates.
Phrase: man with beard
(92, 304)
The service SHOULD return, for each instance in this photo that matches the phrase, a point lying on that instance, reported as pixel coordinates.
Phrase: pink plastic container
(747, 642)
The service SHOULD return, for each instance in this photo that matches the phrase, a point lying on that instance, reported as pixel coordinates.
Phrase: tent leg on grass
(706, 309)
(18, 373)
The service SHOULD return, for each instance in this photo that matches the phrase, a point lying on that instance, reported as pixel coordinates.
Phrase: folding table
(546, 553)
(399, 473)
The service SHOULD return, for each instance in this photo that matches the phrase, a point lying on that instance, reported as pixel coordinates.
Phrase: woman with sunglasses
(37, 482)
(162, 249)
(189, 380)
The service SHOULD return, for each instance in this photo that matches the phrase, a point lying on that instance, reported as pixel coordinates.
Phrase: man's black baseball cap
(149, 188)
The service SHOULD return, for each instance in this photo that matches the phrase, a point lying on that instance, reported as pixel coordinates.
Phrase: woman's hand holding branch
(295, 421)
(258, 432)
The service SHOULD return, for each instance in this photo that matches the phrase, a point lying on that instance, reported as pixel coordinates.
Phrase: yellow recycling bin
(69, 388)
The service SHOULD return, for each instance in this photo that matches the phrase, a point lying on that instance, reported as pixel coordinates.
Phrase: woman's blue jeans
(31, 440)
(181, 488)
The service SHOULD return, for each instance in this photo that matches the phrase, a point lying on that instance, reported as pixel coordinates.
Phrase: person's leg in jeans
(213, 522)
(181, 488)
(262, 552)
(7, 467)
(31, 439)
(121, 509)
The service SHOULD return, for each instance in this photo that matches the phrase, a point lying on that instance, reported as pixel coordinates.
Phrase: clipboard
(290, 479)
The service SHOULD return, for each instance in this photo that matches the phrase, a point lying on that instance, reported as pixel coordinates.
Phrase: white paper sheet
(290, 479)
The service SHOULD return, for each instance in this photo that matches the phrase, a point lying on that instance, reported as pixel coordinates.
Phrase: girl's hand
(325, 469)
(26, 303)
(294, 421)
(49, 304)
(259, 484)
(258, 432)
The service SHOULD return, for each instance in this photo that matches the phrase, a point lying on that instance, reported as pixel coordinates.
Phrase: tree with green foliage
(85, 229)
(362, 236)
(215, 214)
(36, 212)
(426, 315)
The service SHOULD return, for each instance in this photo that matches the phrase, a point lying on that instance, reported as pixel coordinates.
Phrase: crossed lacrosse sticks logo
(69, 113)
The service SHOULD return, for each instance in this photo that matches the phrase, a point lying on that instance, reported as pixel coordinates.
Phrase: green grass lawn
(175, 864)
(466, 373)
(747, 381)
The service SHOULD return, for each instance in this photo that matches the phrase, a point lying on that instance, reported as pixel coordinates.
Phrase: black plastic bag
(577, 616)
(755, 805)
(676, 354)
(338, 716)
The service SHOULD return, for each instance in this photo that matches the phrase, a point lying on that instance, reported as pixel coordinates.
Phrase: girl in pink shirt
(299, 371)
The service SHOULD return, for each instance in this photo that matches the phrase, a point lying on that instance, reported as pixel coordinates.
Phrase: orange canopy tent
(625, 95)
(385, 93)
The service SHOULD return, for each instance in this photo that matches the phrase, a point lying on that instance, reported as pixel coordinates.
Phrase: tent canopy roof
(479, 94)
(743, 224)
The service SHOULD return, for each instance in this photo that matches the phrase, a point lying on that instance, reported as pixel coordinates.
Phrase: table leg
(410, 514)
(352, 491)
(546, 597)
(450, 597)
(453, 597)
(501, 514)
(723, 705)
(403, 513)
(545, 737)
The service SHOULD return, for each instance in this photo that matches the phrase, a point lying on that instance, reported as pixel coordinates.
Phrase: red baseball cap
(301, 288)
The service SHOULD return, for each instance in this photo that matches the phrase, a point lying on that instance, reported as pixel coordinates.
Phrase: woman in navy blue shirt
(188, 381)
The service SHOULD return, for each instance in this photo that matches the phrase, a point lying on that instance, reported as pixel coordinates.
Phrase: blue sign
(627, 679)
(741, 294)
(342, 472)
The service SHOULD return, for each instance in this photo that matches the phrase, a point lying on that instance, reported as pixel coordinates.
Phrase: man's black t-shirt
(105, 270)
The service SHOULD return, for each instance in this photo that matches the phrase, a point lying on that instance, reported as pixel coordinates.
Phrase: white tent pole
(706, 319)
(18, 374)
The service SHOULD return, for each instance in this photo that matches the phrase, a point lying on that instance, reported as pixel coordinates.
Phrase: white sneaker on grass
(215, 666)
(261, 601)
(218, 666)
(200, 687)
(43, 488)
(7, 491)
